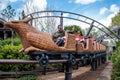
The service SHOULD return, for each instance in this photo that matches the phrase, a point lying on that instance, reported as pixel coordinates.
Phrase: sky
(100, 10)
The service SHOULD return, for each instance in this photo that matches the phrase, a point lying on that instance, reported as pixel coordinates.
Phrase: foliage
(118, 44)
(9, 41)
(12, 52)
(116, 20)
(94, 32)
(22, 15)
(8, 13)
(73, 28)
(116, 63)
(28, 77)
(7, 51)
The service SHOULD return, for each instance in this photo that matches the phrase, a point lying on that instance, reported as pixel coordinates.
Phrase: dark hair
(80, 33)
(59, 25)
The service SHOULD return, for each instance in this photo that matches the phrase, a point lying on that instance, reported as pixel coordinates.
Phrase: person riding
(59, 36)
(92, 38)
(79, 37)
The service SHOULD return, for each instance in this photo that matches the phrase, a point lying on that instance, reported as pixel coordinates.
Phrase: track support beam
(68, 72)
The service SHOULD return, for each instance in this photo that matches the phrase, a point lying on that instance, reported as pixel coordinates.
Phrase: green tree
(116, 63)
(116, 20)
(73, 27)
(22, 15)
(8, 13)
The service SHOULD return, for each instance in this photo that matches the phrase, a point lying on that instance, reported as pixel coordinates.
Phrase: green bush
(116, 63)
(16, 41)
(115, 75)
(12, 52)
(70, 27)
(28, 77)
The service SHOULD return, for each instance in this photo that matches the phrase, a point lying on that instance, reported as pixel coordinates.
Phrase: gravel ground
(61, 76)
(83, 73)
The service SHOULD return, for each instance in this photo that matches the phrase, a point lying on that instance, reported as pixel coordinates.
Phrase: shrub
(8, 41)
(28, 77)
(116, 63)
(12, 52)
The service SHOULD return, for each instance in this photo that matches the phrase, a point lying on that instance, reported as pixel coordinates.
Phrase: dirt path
(61, 76)
(83, 73)
(102, 73)
(106, 74)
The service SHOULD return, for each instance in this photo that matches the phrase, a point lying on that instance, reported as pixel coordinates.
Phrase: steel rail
(15, 61)
(77, 15)
(76, 20)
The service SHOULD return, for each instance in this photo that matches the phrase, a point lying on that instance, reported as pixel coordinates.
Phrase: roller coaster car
(42, 43)
(35, 40)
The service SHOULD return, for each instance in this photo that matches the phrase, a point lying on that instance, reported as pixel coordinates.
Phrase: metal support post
(31, 22)
(68, 72)
(96, 60)
(44, 70)
(61, 20)
(99, 61)
(93, 63)
(91, 26)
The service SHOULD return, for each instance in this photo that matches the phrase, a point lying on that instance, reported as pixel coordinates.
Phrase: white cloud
(3, 4)
(85, 1)
(41, 4)
(108, 20)
(103, 10)
(114, 8)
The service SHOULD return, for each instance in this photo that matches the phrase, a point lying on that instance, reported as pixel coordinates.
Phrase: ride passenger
(79, 37)
(59, 36)
(92, 38)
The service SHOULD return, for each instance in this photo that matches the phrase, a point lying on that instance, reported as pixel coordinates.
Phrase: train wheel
(82, 61)
(72, 60)
(43, 61)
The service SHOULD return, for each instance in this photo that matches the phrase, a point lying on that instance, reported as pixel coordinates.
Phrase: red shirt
(92, 39)
(79, 38)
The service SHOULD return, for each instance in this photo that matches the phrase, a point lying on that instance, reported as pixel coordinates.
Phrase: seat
(44, 41)
(33, 39)
(90, 48)
(98, 47)
(80, 47)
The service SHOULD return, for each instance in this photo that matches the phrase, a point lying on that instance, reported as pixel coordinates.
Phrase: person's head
(79, 32)
(60, 28)
(90, 35)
